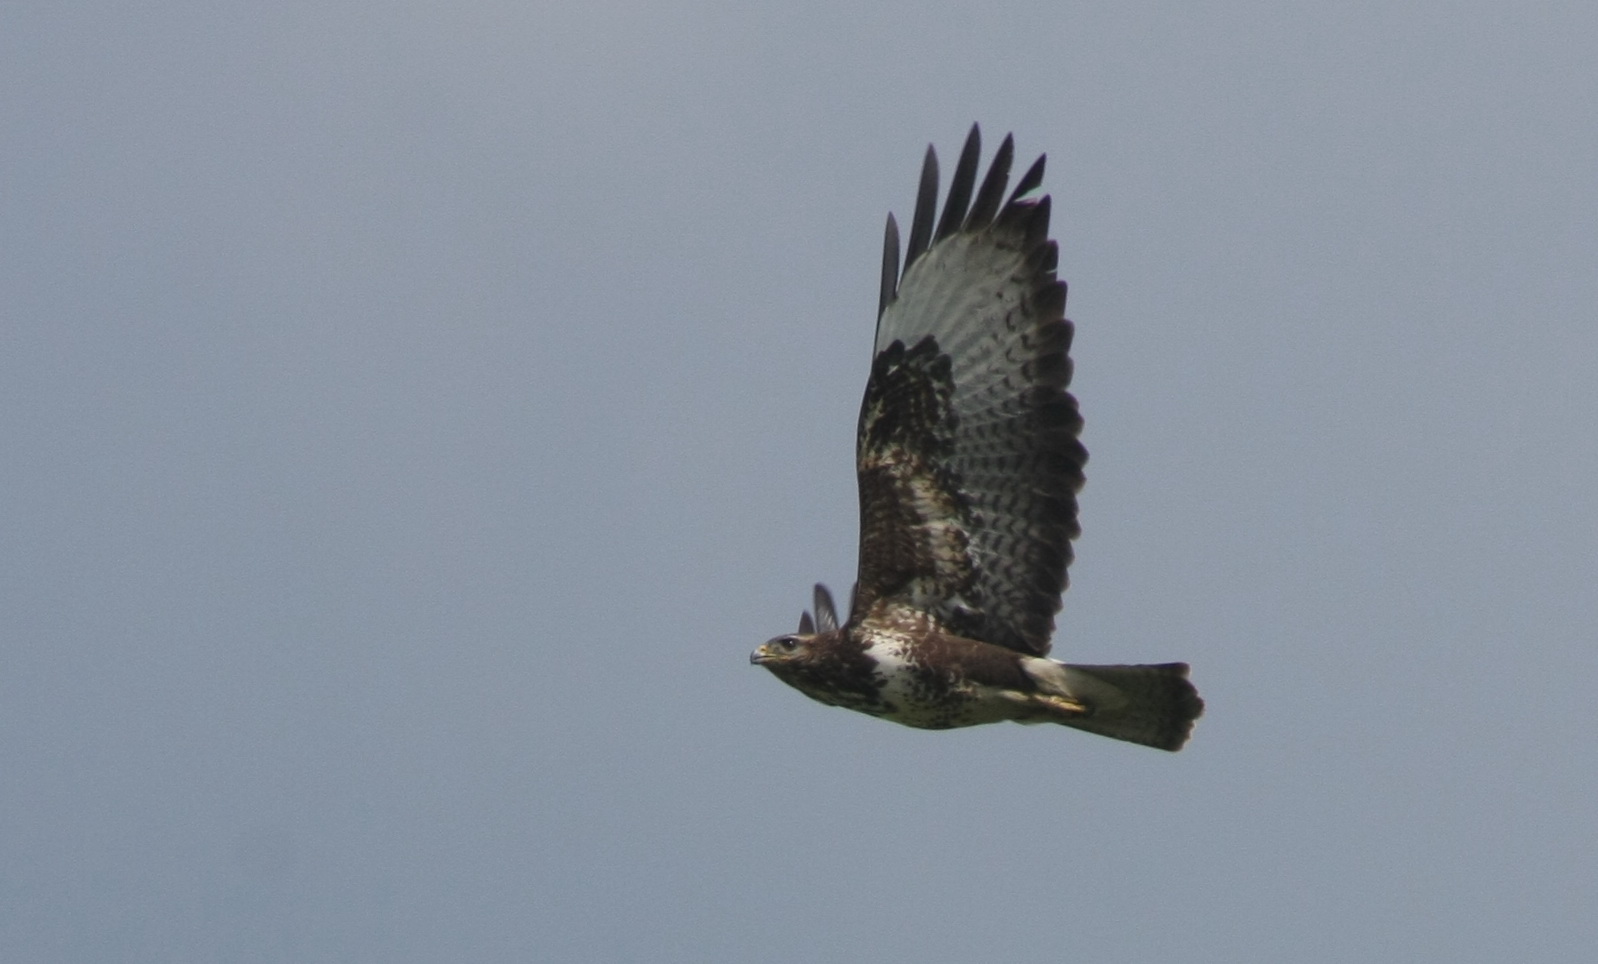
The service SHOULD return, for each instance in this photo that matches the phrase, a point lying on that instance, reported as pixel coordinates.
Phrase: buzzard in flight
(969, 465)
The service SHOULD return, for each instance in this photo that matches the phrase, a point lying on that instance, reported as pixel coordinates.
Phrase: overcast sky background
(413, 415)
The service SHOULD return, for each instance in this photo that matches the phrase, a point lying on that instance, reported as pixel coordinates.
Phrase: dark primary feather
(1030, 180)
(926, 206)
(890, 265)
(992, 192)
(967, 453)
(965, 177)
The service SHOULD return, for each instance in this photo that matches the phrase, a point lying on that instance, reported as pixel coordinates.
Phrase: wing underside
(967, 453)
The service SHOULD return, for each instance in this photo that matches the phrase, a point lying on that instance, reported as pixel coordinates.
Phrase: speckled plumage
(969, 464)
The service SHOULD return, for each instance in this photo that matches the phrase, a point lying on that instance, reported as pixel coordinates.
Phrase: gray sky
(415, 413)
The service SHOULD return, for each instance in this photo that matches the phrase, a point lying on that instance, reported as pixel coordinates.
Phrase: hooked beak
(760, 655)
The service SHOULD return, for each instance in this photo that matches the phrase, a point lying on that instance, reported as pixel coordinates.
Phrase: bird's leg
(1062, 706)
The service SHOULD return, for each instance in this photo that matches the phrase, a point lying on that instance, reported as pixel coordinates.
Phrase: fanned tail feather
(1153, 705)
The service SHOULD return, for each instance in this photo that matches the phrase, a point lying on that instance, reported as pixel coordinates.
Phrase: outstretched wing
(967, 452)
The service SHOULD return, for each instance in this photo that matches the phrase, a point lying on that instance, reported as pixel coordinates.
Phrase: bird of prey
(969, 463)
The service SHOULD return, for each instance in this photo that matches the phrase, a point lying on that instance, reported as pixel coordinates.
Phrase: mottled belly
(926, 699)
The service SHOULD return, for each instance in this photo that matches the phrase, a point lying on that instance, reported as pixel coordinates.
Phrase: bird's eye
(788, 643)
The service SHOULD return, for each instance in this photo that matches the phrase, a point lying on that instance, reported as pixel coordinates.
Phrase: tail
(1151, 705)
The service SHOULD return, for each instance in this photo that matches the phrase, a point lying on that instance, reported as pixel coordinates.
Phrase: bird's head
(820, 660)
(785, 654)
(782, 650)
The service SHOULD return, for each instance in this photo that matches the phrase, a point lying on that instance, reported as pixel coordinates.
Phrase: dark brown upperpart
(955, 659)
